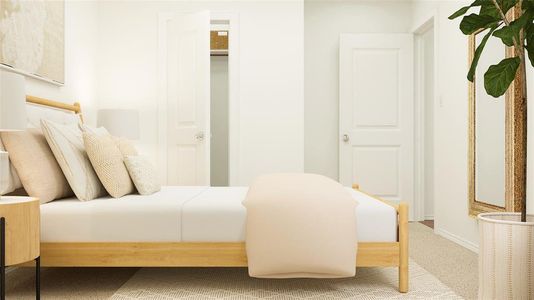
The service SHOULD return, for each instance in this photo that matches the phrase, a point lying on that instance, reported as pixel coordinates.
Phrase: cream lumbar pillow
(67, 145)
(143, 174)
(38, 170)
(107, 160)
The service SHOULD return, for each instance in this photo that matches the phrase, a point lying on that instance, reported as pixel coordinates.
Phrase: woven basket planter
(506, 256)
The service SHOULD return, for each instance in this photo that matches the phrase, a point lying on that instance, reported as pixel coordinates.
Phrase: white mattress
(182, 214)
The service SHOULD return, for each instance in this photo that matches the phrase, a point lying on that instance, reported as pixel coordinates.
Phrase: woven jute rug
(234, 283)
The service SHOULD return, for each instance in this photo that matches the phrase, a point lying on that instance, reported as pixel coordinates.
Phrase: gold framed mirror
(496, 170)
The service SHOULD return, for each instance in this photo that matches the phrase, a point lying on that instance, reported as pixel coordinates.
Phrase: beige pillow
(143, 174)
(8, 182)
(107, 160)
(38, 170)
(66, 143)
(125, 146)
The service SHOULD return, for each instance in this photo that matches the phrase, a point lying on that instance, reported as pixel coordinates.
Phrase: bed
(192, 226)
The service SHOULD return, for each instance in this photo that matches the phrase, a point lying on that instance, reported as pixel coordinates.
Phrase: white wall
(323, 22)
(80, 60)
(450, 124)
(219, 121)
(271, 83)
(451, 206)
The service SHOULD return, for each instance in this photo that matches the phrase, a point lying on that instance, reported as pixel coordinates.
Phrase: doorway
(425, 107)
(187, 128)
(219, 108)
(376, 114)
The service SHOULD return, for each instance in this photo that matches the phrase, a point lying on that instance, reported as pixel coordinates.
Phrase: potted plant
(506, 255)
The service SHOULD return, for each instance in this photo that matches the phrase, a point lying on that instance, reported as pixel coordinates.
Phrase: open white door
(376, 114)
(188, 99)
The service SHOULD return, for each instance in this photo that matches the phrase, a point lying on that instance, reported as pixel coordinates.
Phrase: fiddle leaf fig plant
(490, 17)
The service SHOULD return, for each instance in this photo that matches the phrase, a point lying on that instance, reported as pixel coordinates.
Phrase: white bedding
(182, 214)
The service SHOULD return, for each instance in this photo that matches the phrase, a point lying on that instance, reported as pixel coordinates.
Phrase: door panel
(188, 96)
(376, 114)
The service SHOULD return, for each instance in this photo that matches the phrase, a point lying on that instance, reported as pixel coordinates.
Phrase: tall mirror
(494, 137)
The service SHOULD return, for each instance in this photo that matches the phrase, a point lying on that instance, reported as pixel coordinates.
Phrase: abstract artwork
(32, 37)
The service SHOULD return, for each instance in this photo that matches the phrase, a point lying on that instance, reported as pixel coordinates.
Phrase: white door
(377, 114)
(188, 99)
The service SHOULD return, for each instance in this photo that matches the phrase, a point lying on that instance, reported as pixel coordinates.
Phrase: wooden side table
(19, 236)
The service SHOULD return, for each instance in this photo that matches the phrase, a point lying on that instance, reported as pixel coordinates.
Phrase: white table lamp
(120, 122)
(12, 102)
(12, 115)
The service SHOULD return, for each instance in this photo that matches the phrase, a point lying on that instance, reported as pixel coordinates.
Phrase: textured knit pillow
(125, 146)
(66, 143)
(38, 170)
(143, 174)
(107, 160)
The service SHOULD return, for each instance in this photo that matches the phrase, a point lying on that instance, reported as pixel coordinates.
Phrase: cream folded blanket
(300, 225)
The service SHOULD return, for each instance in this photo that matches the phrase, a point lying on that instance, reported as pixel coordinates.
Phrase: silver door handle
(346, 138)
(199, 136)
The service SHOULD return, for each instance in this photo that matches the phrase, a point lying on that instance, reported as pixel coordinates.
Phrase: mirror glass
(490, 126)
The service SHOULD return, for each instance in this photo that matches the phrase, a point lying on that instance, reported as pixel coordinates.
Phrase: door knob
(199, 136)
(346, 138)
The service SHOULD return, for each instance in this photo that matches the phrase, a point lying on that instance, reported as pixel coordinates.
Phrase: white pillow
(66, 143)
(9, 179)
(143, 174)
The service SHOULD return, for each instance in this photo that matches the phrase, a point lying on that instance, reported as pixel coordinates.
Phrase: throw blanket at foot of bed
(300, 225)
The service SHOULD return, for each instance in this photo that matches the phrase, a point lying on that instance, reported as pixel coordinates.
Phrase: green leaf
(507, 4)
(462, 11)
(478, 52)
(529, 33)
(489, 9)
(507, 33)
(528, 4)
(499, 77)
(473, 22)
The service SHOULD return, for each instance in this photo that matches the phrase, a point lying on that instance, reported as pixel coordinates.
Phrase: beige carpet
(443, 260)
(227, 283)
(452, 264)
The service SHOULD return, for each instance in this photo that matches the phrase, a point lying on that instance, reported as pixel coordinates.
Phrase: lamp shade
(12, 102)
(120, 122)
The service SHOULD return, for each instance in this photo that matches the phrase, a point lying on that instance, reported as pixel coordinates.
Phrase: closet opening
(219, 106)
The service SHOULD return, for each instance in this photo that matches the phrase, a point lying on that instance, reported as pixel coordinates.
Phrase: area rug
(234, 283)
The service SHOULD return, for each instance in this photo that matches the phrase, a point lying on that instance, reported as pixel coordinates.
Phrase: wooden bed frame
(185, 254)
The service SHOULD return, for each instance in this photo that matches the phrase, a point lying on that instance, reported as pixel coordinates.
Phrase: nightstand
(19, 236)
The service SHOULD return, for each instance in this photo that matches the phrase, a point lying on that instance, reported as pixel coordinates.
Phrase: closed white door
(188, 99)
(377, 114)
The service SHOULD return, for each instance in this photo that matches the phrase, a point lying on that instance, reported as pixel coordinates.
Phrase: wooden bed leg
(403, 247)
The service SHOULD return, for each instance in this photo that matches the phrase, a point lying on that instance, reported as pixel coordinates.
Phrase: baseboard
(429, 218)
(458, 240)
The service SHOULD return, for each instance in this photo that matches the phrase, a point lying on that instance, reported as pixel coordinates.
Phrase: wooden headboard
(56, 104)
